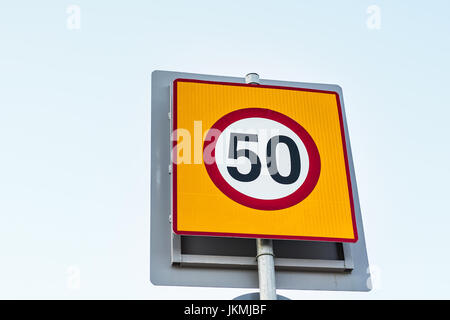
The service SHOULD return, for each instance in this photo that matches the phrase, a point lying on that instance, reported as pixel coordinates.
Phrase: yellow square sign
(260, 161)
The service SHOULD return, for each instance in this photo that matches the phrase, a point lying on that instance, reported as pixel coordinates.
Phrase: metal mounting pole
(266, 269)
(264, 247)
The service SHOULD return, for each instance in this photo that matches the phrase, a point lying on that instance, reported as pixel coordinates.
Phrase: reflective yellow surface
(202, 207)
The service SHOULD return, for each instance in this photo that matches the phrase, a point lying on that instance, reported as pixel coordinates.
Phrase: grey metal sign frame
(224, 262)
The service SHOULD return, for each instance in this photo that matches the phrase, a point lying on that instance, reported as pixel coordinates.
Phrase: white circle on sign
(245, 147)
(258, 132)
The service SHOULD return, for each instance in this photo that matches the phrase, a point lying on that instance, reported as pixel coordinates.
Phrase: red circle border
(263, 204)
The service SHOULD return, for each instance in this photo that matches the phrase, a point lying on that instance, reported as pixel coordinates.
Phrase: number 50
(255, 171)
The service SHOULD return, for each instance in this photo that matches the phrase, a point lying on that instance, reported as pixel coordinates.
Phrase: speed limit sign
(282, 171)
(260, 161)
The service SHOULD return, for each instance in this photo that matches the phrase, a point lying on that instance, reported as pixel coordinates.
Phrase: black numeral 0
(255, 170)
(272, 160)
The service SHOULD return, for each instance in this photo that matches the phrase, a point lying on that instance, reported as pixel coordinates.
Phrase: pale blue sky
(75, 122)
